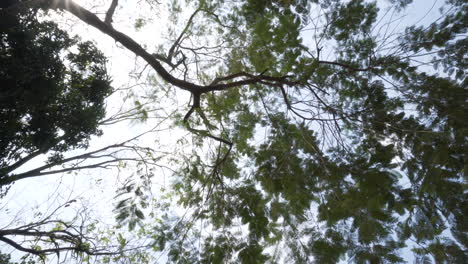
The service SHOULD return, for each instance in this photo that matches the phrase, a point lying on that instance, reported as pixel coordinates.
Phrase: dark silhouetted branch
(110, 12)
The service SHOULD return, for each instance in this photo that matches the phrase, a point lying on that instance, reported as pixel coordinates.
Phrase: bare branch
(110, 12)
(178, 40)
(96, 154)
(68, 235)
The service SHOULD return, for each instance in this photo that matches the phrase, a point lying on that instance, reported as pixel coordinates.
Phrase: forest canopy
(313, 131)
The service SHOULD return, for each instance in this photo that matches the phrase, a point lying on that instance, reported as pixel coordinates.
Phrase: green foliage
(52, 93)
(132, 200)
(381, 164)
(354, 17)
(5, 259)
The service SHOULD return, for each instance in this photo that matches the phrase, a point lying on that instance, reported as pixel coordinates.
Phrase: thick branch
(91, 19)
(19, 163)
(19, 247)
(257, 78)
(110, 12)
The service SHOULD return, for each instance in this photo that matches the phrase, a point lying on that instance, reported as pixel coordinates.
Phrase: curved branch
(202, 132)
(19, 247)
(91, 19)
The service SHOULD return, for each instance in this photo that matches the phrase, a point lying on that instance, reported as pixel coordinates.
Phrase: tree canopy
(53, 91)
(320, 131)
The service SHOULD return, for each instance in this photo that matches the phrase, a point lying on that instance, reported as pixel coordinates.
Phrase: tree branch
(91, 19)
(19, 163)
(346, 66)
(110, 12)
(88, 155)
(178, 40)
(74, 239)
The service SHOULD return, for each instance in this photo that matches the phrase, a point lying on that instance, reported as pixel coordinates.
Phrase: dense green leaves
(383, 162)
(352, 18)
(52, 91)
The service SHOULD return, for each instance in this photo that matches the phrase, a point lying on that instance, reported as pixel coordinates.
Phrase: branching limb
(205, 133)
(196, 107)
(109, 153)
(61, 237)
(257, 78)
(170, 54)
(110, 12)
(91, 19)
(165, 60)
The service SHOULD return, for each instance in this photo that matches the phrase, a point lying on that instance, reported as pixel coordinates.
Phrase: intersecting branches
(221, 83)
(104, 158)
(91, 19)
(48, 236)
(177, 48)
(206, 133)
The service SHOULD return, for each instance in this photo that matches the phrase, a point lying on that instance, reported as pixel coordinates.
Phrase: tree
(364, 148)
(52, 101)
(47, 106)
(53, 98)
